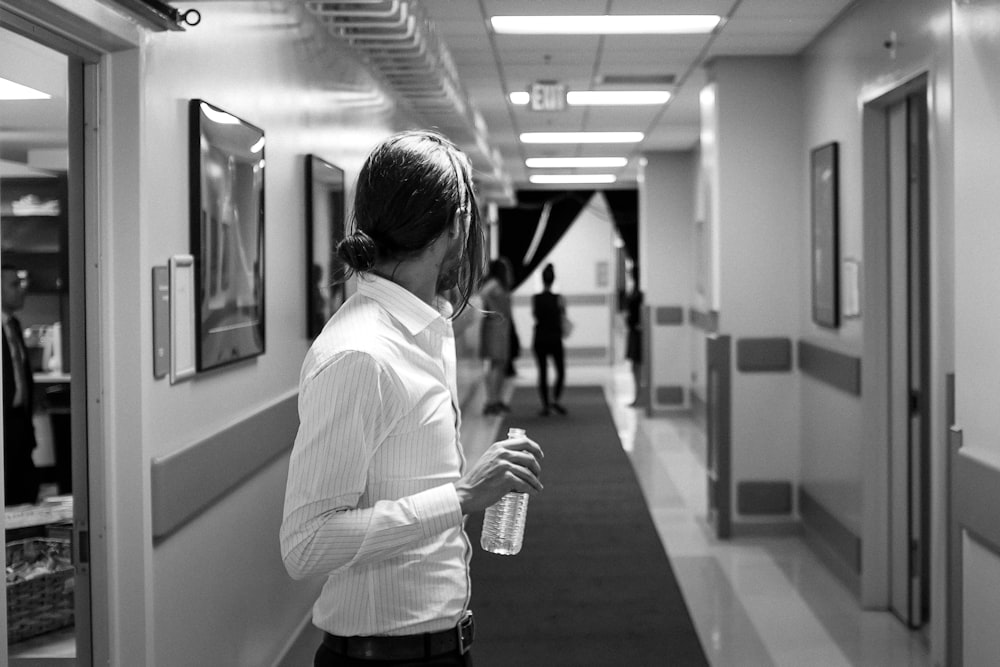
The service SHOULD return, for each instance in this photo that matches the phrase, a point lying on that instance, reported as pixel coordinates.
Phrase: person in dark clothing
(549, 310)
(633, 342)
(515, 351)
(20, 476)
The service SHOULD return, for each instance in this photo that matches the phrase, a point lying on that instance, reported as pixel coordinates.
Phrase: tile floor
(755, 601)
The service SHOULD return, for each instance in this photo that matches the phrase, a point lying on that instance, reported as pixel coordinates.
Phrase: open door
(909, 358)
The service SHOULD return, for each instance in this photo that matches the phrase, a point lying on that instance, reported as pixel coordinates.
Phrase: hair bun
(358, 250)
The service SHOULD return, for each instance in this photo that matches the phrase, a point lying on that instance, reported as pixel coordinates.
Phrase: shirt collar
(401, 303)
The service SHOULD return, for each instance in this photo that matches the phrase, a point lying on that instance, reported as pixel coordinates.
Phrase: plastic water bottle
(503, 526)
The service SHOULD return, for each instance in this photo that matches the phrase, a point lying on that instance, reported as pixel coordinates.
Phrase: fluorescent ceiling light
(15, 91)
(570, 162)
(610, 97)
(581, 137)
(579, 98)
(616, 24)
(572, 178)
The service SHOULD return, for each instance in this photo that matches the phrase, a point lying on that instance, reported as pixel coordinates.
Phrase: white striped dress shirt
(370, 501)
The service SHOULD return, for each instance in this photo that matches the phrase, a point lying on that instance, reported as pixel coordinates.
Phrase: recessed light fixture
(571, 162)
(615, 24)
(10, 90)
(572, 178)
(581, 137)
(578, 98)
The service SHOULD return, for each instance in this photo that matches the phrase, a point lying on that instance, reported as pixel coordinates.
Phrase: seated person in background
(20, 476)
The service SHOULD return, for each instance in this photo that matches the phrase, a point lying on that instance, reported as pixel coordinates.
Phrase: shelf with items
(34, 230)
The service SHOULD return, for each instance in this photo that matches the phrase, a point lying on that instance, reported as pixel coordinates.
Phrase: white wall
(752, 170)
(666, 261)
(578, 259)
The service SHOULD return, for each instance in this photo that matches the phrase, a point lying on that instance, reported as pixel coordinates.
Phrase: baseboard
(833, 562)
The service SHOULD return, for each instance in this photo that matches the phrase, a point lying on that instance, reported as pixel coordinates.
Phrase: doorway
(909, 353)
(41, 254)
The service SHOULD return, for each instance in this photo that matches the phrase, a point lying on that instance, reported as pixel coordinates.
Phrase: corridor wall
(751, 130)
(666, 253)
(873, 48)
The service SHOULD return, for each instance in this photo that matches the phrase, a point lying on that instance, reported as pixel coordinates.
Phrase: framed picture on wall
(824, 199)
(227, 235)
(325, 228)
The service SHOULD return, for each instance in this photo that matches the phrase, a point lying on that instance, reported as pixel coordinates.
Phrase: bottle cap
(516, 432)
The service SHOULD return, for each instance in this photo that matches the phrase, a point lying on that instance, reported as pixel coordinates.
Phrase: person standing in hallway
(549, 311)
(633, 340)
(495, 334)
(20, 475)
(378, 486)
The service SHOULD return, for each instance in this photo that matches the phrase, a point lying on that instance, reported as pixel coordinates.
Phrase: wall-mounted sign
(548, 96)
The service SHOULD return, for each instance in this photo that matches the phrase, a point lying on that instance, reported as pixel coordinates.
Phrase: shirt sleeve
(345, 410)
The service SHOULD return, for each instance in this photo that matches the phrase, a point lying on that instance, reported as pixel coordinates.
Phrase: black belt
(405, 647)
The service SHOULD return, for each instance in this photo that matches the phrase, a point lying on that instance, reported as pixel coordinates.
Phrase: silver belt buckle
(466, 633)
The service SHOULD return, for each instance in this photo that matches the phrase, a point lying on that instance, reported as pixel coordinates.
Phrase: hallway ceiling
(492, 65)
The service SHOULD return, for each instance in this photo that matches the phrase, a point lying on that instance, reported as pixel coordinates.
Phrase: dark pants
(19, 474)
(544, 350)
(326, 657)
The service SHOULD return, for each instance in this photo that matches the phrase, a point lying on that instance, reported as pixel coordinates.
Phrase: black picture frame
(227, 235)
(325, 228)
(824, 180)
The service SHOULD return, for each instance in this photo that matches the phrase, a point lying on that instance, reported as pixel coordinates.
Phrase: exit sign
(548, 96)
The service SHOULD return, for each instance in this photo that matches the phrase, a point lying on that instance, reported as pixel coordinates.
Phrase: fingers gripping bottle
(503, 526)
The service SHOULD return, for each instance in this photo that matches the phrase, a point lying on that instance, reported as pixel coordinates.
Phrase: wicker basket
(42, 604)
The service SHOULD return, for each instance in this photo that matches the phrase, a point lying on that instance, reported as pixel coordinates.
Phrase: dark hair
(409, 191)
(548, 275)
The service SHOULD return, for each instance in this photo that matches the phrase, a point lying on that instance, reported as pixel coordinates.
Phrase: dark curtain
(518, 224)
(624, 206)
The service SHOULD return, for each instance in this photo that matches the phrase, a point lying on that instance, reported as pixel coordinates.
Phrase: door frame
(81, 63)
(90, 34)
(910, 390)
(876, 514)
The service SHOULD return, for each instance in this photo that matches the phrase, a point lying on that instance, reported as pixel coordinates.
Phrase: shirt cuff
(438, 509)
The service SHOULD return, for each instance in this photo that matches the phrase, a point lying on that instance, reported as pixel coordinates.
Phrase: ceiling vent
(644, 80)
(399, 43)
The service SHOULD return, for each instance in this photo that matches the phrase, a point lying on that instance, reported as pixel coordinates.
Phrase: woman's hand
(508, 465)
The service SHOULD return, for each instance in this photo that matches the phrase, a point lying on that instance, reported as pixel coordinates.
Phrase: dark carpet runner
(592, 584)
